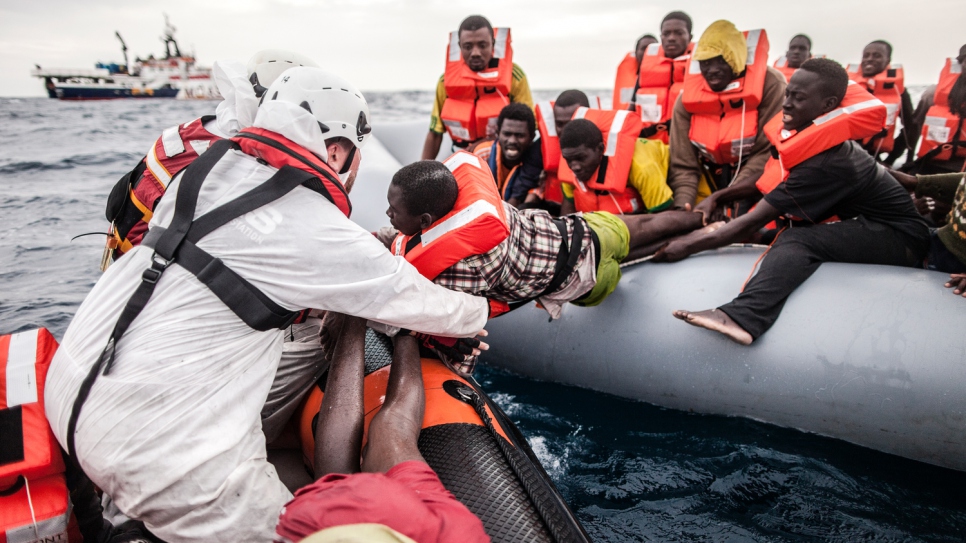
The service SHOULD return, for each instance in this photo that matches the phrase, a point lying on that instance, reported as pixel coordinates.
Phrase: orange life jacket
(625, 82)
(177, 147)
(888, 86)
(944, 133)
(608, 190)
(660, 82)
(724, 125)
(859, 115)
(782, 66)
(34, 501)
(476, 224)
(474, 99)
(549, 150)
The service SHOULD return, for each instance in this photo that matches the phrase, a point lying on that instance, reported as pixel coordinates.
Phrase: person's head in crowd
(876, 57)
(582, 146)
(565, 105)
(957, 95)
(799, 50)
(815, 89)
(419, 195)
(476, 42)
(721, 54)
(641, 47)
(515, 129)
(675, 33)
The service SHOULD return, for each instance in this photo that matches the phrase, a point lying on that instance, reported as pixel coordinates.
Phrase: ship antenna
(123, 50)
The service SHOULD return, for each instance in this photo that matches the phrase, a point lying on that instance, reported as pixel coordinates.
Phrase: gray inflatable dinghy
(873, 355)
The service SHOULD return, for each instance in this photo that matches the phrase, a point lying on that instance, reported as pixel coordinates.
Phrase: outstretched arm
(732, 232)
(338, 431)
(712, 207)
(431, 146)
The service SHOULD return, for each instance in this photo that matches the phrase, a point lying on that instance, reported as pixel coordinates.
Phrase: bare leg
(646, 229)
(717, 320)
(394, 432)
(338, 432)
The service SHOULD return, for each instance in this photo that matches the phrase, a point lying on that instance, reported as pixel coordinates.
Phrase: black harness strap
(176, 244)
(566, 260)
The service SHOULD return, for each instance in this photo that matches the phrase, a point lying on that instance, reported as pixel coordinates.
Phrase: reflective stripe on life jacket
(607, 190)
(859, 115)
(549, 139)
(474, 99)
(28, 447)
(782, 66)
(625, 82)
(888, 86)
(33, 493)
(944, 133)
(660, 82)
(138, 192)
(724, 125)
(476, 224)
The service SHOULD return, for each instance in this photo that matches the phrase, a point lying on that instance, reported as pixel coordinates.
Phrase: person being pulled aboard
(640, 165)
(879, 224)
(516, 163)
(511, 256)
(348, 498)
(722, 150)
(464, 83)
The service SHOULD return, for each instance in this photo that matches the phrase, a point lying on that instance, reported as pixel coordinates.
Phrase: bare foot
(715, 320)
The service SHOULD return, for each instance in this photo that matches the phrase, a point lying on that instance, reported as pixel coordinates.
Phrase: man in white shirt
(172, 432)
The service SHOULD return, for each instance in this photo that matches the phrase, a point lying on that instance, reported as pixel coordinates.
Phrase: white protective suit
(173, 434)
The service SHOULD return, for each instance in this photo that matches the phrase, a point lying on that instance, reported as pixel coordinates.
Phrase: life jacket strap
(566, 260)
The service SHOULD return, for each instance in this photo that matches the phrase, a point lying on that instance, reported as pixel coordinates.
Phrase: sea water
(631, 471)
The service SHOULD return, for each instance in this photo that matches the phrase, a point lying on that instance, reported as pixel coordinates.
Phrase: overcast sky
(400, 44)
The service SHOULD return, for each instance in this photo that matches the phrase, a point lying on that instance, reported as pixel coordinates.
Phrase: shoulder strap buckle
(158, 265)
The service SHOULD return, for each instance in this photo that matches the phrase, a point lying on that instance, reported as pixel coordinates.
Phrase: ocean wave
(76, 161)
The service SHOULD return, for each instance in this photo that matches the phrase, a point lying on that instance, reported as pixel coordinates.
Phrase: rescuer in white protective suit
(170, 429)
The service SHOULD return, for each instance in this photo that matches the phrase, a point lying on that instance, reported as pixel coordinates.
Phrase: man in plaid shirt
(528, 264)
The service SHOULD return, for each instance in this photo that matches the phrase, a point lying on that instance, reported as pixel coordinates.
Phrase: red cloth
(409, 498)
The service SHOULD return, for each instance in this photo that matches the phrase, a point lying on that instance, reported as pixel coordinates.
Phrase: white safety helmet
(337, 105)
(265, 66)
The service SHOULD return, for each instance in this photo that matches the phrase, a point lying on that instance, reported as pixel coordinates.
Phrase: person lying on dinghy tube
(449, 222)
(829, 177)
(349, 498)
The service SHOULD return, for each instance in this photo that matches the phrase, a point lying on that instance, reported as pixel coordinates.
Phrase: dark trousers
(796, 255)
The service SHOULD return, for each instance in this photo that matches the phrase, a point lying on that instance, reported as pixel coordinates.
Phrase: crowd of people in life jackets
(240, 220)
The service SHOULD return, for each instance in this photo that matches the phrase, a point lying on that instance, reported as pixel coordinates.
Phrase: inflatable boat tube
(479, 455)
(873, 355)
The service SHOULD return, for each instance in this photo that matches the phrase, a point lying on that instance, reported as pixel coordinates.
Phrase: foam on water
(632, 471)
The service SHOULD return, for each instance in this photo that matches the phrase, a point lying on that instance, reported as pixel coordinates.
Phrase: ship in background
(174, 76)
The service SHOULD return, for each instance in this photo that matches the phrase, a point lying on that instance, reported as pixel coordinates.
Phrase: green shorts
(615, 243)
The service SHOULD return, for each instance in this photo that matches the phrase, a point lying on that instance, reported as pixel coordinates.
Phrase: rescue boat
(479, 455)
(868, 354)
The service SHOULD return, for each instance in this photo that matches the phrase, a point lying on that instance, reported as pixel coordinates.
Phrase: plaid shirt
(520, 267)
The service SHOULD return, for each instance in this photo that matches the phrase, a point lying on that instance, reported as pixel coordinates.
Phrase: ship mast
(123, 50)
(168, 39)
